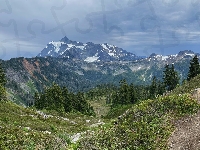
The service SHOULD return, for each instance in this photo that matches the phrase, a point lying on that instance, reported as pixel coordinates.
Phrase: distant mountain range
(90, 52)
(80, 67)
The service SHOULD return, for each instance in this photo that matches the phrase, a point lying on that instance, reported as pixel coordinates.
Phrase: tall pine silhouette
(170, 77)
(2, 83)
(194, 69)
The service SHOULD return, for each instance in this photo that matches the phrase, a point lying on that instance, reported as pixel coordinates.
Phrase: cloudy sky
(138, 26)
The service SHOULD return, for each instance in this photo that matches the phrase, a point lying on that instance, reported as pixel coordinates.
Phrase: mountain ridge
(89, 52)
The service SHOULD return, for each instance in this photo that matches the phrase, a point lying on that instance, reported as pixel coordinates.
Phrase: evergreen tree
(68, 105)
(170, 77)
(166, 76)
(2, 76)
(194, 69)
(174, 78)
(60, 100)
(132, 93)
(37, 100)
(124, 93)
(153, 88)
(2, 84)
(161, 88)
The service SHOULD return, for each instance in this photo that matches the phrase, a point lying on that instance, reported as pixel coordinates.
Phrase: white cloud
(130, 24)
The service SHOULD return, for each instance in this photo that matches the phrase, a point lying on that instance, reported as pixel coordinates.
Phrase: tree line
(130, 94)
(61, 100)
(2, 83)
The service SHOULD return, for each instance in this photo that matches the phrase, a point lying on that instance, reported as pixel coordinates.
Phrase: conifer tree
(153, 88)
(174, 78)
(124, 92)
(132, 93)
(122, 95)
(166, 77)
(194, 69)
(161, 88)
(2, 76)
(60, 100)
(67, 100)
(2, 83)
(170, 77)
(37, 100)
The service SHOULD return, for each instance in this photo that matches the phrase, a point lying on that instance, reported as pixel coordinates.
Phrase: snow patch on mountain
(91, 59)
(165, 57)
(111, 54)
(81, 47)
(56, 45)
(70, 45)
(192, 55)
(104, 46)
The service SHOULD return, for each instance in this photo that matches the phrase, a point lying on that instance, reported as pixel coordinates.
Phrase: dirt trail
(187, 133)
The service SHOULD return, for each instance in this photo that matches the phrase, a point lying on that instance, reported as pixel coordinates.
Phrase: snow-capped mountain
(186, 54)
(88, 52)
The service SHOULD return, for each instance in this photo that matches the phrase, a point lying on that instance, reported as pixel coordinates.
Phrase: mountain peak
(65, 39)
(185, 52)
(153, 55)
(89, 52)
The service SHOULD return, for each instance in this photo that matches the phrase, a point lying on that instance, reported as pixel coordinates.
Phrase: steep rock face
(88, 52)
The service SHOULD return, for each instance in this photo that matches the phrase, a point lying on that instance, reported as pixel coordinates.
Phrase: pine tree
(37, 100)
(153, 88)
(67, 100)
(2, 76)
(132, 93)
(60, 100)
(124, 93)
(166, 77)
(174, 78)
(170, 77)
(194, 69)
(161, 88)
(2, 84)
(122, 96)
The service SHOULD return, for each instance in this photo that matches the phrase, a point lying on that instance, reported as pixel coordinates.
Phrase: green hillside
(145, 125)
(108, 117)
(27, 128)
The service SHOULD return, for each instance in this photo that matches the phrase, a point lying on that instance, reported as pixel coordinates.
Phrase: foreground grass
(147, 125)
(25, 128)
